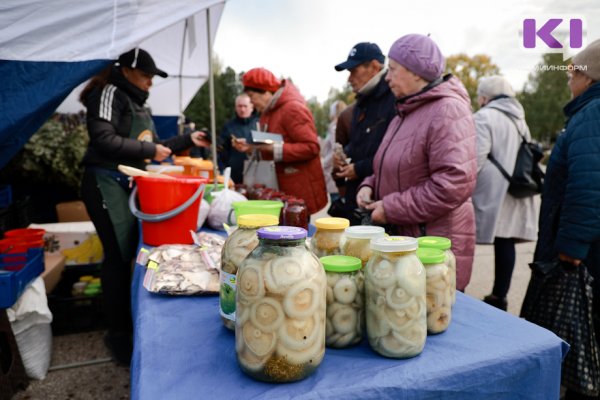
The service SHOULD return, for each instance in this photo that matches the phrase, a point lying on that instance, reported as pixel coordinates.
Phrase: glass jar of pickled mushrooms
(235, 249)
(326, 240)
(345, 300)
(356, 241)
(396, 310)
(280, 307)
(445, 244)
(438, 289)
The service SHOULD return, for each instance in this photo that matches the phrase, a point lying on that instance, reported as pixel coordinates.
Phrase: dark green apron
(115, 189)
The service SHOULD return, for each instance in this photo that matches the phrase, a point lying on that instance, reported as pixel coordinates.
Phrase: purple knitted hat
(420, 55)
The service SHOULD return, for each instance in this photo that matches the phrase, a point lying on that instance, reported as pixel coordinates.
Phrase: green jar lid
(429, 255)
(436, 242)
(341, 263)
(92, 291)
(94, 285)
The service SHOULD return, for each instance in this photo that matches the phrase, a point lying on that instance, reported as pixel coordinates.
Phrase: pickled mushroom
(250, 282)
(267, 314)
(411, 276)
(345, 290)
(296, 334)
(382, 274)
(260, 343)
(302, 300)
(281, 273)
(344, 320)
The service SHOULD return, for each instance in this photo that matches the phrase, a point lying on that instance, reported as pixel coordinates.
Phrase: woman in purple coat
(426, 167)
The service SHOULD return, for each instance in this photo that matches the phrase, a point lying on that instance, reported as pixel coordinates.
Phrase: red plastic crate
(12, 283)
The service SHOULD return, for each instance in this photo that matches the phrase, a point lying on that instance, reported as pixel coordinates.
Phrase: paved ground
(105, 380)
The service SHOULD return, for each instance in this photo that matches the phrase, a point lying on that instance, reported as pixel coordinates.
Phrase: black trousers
(504, 264)
(115, 270)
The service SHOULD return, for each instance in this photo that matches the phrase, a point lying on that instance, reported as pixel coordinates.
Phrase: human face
(138, 78)
(259, 100)
(243, 106)
(361, 74)
(403, 82)
(578, 82)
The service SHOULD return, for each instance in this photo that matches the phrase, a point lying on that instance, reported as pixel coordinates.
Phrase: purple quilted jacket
(426, 167)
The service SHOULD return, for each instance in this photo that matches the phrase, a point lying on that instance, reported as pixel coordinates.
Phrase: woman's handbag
(559, 298)
(261, 171)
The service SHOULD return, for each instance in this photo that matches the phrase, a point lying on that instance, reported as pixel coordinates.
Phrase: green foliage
(321, 111)
(53, 154)
(543, 97)
(227, 87)
(469, 70)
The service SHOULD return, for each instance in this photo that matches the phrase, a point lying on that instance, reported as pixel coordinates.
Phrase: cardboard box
(54, 264)
(72, 211)
(78, 242)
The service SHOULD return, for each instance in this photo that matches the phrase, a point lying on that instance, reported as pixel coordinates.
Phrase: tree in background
(321, 111)
(469, 70)
(544, 95)
(227, 87)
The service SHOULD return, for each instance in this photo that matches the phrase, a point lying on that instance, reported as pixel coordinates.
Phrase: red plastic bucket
(169, 208)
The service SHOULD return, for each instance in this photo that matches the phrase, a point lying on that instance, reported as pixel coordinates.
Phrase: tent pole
(211, 91)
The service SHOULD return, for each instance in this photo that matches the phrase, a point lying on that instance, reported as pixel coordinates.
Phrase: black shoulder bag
(527, 178)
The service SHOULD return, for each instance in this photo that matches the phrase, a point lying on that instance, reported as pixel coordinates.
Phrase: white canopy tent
(49, 47)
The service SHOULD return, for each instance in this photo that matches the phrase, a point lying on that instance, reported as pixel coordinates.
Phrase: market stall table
(182, 351)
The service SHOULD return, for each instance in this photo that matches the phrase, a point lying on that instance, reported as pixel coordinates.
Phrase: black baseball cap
(361, 53)
(142, 60)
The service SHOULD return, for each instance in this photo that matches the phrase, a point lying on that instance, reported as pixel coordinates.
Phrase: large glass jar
(345, 300)
(280, 308)
(235, 249)
(356, 241)
(326, 240)
(396, 310)
(445, 244)
(438, 289)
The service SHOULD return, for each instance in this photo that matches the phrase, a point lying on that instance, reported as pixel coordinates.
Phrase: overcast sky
(304, 39)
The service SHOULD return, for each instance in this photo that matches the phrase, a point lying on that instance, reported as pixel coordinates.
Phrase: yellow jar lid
(332, 223)
(86, 278)
(257, 220)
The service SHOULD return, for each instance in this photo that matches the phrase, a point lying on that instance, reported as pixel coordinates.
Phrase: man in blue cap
(371, 114)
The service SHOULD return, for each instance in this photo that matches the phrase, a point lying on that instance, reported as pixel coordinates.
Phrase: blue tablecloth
(182, 351)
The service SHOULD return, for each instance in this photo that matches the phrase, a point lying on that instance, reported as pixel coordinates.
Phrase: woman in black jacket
(121, 131)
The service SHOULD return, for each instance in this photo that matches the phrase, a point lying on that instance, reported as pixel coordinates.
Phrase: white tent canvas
(49, 47)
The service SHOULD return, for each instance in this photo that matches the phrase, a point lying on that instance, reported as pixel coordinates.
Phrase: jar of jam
(265, 193)
(241, 189)
(439, 298)
(296, 213)
(445, 244)
(280, 308)
(255, 191)
(235, 249)
(356, 241)
(396, 310)
(345, 294)
(326, 240)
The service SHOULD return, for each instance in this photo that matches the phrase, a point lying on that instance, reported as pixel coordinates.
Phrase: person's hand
(161, 153)
(378, 214)
(264, 147)
(364, 196)
(200, 139)
(569, 259)
(348, 172)
(240, 145)
(338, 162)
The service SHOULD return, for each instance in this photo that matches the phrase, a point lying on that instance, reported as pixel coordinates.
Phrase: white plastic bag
(203, 212)
(221, 204)
(30, 320)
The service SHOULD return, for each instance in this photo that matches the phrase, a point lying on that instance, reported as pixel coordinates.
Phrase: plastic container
(345, 300)
(442, 243)
(5, 196)
(396, 310)
(280, 307)
(267, 207)
(26, 233)
(13, 283)
(356, 241)
(438, 289)
(169, 208)
(235, 249)
(18, 245)
(326, 240)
